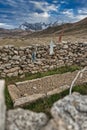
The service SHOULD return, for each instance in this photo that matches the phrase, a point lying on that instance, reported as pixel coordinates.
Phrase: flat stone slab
(31, 90)
(2, 105)
(29, 99)
(14, 92)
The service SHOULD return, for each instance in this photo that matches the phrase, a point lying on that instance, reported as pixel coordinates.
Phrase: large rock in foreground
(20, 119)
(72, 110)
(69, 113)
(2, 105)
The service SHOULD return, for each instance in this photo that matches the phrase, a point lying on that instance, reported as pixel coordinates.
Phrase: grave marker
(34, 54)
(52, 47)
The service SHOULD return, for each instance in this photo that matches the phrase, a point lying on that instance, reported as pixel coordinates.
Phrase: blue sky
(15, 12)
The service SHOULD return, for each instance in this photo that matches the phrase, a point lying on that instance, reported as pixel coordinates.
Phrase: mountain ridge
(68, 28)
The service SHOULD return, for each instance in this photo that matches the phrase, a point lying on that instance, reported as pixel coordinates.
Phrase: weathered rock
(14, 92)
(20, 119)
(65, 46)
(69, 113)
(2, 105)
(10, 74)
(16, 57)
(57, 124)
(72, 110)
(24, 100)
(12, 70)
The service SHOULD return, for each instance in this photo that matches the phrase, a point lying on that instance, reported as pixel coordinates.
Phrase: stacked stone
(16, 61)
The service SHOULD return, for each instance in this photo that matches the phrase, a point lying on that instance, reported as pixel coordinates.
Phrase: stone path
(31, 90)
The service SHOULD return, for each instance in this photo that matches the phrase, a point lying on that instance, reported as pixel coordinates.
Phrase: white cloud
(12, 3)
(37, 17)
(4, 25)
(44, 6)
(55, 1)
(37, 11)
(25, 11)
(70, 16)
(69, 13)
(79, 17)
(63, 2)
(44, 15)
(82, 11)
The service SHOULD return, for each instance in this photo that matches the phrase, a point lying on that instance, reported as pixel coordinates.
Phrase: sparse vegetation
(44, 105)
(28, 76)
(8, 99)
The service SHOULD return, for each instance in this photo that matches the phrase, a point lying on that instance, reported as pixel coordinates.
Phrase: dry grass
(41, 40)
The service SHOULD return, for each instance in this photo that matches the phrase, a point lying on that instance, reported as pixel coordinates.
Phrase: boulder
(20, 119)
(72, 110)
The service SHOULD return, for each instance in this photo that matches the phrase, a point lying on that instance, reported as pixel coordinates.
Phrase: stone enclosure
(25, 92)
(16, 61)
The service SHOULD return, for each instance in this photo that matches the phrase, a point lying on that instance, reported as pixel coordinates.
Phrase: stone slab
(2, 105)
(14, 92)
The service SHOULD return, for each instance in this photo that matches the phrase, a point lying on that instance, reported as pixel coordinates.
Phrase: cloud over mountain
(15, 12)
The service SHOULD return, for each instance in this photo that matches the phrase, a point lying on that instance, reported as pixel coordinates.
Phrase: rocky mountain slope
(34, 26)
(46, 30)
(68, 28)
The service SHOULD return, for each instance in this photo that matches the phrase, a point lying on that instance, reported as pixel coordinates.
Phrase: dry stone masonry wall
(16, 61)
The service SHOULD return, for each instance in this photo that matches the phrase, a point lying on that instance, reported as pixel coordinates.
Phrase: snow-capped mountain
(36, 26)
(33, 26)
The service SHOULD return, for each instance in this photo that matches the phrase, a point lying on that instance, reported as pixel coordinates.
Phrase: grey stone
(9, 74)
(3, 75)
(16, 52)
(2, 105)
(65, 46)
(73, 111)
(16, 57)
(12, 70)
(20, 119)
(58, 124)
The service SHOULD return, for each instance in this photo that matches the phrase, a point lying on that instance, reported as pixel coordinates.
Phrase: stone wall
(69, 113)
(16, 61)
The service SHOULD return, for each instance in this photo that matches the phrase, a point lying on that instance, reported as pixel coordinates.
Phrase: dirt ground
(41, 40)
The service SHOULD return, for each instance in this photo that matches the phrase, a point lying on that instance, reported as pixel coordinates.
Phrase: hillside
(72, 32)
(69, 28)
(13, 33)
